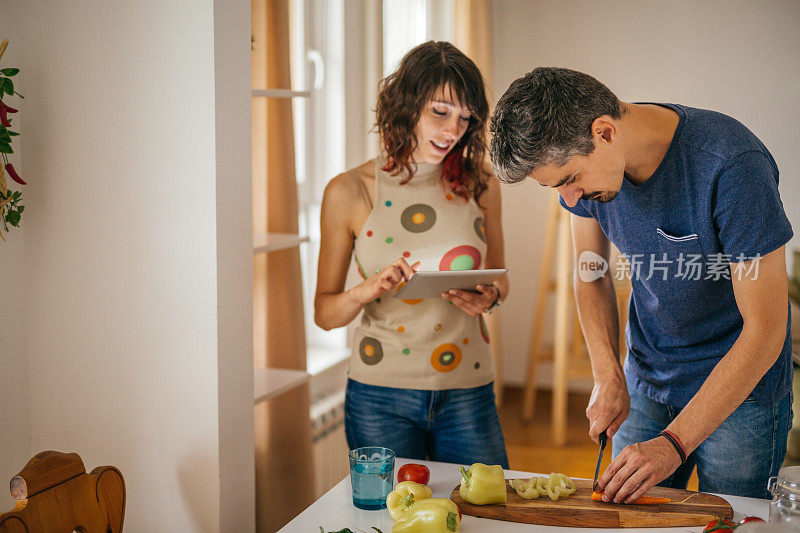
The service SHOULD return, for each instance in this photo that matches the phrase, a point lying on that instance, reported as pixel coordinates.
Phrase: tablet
(431, 284)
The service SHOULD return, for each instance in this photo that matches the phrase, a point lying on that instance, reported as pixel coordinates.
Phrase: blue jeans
(737, 459)
(453, 426)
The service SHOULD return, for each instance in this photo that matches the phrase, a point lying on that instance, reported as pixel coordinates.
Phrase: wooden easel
(568, 360)
(559, 241)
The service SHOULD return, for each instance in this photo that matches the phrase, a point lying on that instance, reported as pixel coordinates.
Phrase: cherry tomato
(720, 525)
(414, 472)
(747, 519)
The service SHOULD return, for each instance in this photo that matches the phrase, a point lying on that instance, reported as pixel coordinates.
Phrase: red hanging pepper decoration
(4, 111)
(13, 174)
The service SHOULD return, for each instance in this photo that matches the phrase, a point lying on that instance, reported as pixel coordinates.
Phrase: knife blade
(602, 438)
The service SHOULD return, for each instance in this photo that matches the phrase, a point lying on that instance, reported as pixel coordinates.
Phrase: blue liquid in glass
(372, 482)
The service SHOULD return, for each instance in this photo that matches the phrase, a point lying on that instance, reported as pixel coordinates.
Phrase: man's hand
(608, 407)
(637, 469)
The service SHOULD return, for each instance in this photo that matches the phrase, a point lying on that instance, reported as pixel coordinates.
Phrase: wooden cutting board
(579, 510)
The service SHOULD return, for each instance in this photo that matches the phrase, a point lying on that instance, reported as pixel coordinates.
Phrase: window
(404, 27)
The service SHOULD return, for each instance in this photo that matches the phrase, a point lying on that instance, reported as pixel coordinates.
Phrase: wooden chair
(55, 494)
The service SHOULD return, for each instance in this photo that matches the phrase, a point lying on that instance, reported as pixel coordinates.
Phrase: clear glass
(785, 489)
(371, 474)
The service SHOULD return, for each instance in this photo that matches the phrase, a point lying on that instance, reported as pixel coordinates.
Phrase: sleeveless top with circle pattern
(427, 344)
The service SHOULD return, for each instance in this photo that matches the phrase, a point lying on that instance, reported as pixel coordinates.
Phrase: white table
(335, 509)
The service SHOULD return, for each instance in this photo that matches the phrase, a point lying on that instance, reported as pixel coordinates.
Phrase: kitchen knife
(602, 438)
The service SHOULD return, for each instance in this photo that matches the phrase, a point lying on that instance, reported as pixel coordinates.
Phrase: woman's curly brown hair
(424, 70)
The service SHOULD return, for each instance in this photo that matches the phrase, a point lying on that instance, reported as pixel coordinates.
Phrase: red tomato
(720, 525)
(747, 519)
(414, 472)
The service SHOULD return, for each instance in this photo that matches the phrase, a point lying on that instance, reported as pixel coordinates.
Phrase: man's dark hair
(545, 118)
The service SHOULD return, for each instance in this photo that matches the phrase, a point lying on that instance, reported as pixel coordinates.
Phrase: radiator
(329, 447)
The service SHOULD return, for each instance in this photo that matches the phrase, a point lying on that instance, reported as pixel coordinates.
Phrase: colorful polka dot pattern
(418, 218)
(461, 258)
(480, 229)
(438, 231)
(360, 268)
(446, 357)
(413, 301)
(370, 350)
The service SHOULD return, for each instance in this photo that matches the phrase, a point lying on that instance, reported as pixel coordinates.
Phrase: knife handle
(603, 438)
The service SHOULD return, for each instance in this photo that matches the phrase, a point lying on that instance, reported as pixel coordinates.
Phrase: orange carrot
(644, 500)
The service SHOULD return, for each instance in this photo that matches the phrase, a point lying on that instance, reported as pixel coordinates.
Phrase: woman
(421, 370)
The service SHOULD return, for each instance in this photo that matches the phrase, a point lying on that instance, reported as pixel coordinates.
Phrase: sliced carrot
(644, 500)
(650, 500)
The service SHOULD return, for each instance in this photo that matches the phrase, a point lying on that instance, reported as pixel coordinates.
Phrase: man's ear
(604, 127)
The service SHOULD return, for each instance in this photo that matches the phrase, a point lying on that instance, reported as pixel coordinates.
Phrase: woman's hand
(384, 281)
(471, 303)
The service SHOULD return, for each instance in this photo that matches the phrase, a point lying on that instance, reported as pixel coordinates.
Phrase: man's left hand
(637, 469)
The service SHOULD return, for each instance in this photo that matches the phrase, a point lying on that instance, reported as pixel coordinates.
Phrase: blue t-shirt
(713, 200)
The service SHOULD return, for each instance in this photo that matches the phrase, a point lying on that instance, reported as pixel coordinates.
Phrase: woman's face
(442, 122)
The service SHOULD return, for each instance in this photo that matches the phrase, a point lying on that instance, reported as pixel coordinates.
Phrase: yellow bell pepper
(483, 484)
(404, 495)
(432, 515)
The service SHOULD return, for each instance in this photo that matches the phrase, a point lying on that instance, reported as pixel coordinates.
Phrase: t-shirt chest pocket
(661, 255)
(672, 271)
(672, 258)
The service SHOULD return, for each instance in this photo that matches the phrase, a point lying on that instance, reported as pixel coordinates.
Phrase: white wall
(127, 338)
(15, 429)
(734, 56)
(233, 163)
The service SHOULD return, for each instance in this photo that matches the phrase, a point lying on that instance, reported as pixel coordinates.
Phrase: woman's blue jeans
(454, 426)
(737, 459)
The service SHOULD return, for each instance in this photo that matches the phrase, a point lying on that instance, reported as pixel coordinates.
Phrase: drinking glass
(371, 473)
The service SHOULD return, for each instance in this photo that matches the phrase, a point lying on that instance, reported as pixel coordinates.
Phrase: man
(690, 197)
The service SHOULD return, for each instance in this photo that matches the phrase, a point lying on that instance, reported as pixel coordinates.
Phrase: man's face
(597, 176)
